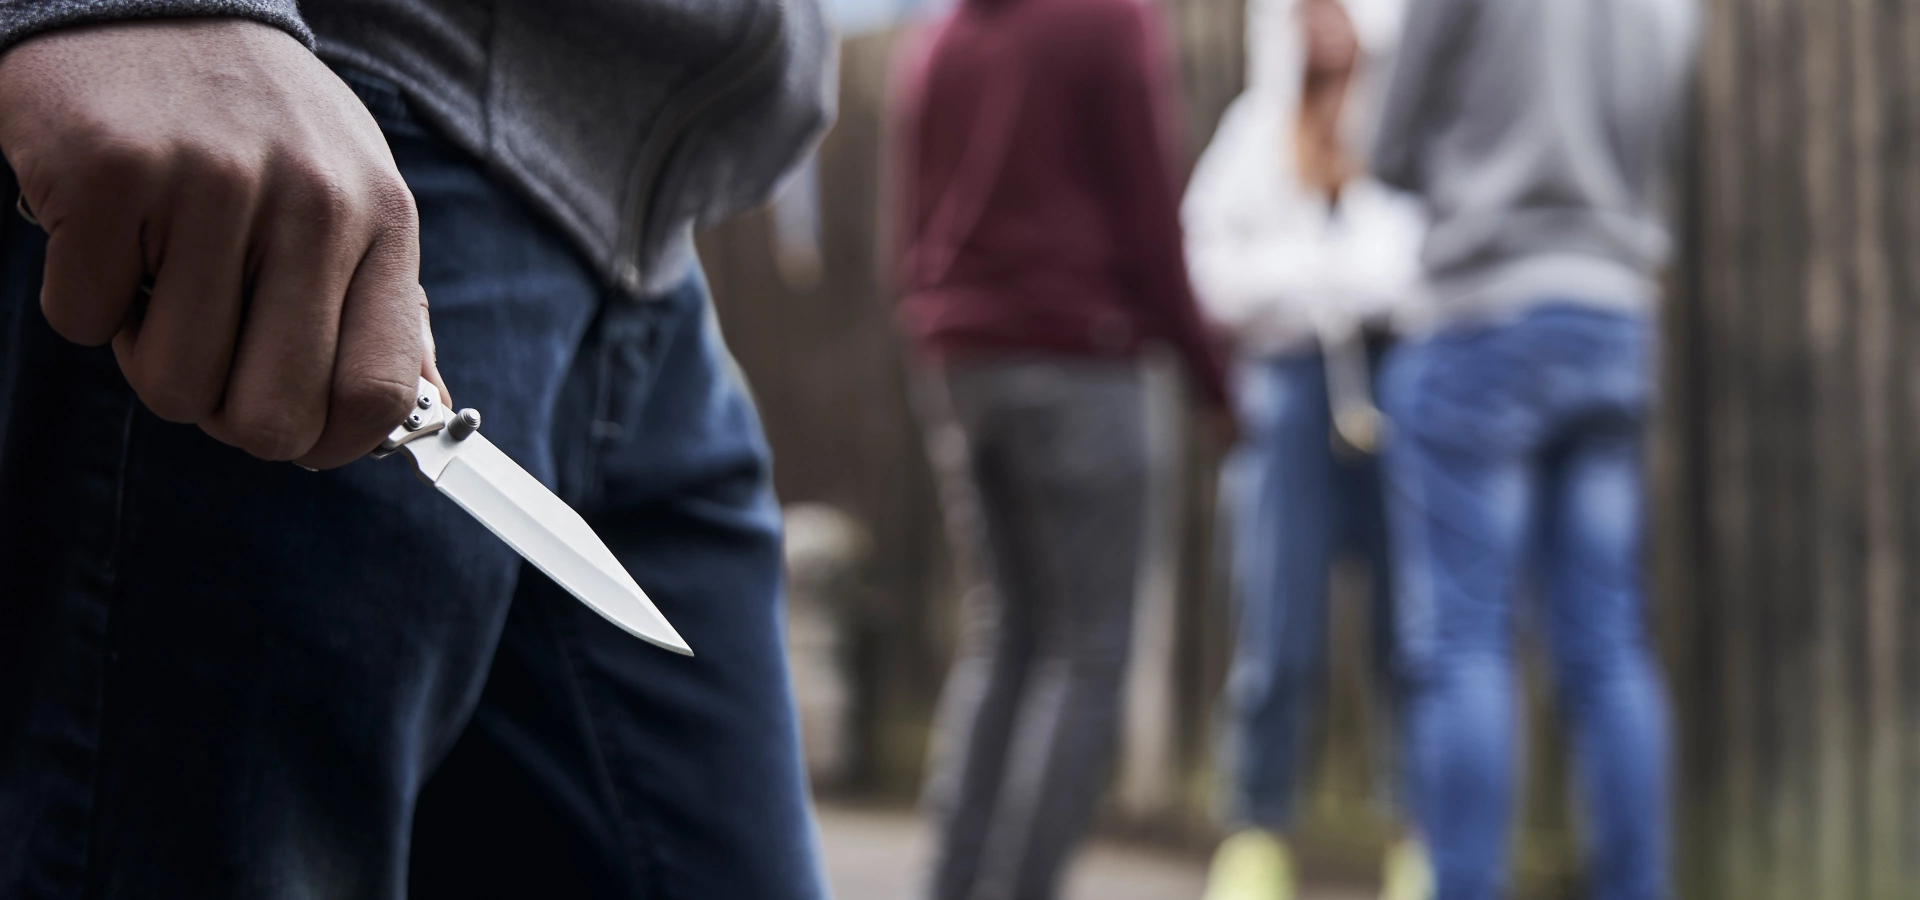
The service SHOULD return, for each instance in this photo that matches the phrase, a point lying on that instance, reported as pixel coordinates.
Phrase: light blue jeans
(1520, 444)
(1296, 507)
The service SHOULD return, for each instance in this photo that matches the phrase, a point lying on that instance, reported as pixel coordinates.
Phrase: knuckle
(325, 201)
(172, 399)
(372, 403)
(113, 159)
(395, 205)
(81, 323)
(274, 435)
(221, 174)
(175, 406)
(118, 165)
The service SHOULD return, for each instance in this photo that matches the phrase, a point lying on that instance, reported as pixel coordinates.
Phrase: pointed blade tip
(679, 647)
(547, 532)
(670, 641)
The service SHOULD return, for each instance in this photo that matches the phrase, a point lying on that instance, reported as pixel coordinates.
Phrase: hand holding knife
(448, 452)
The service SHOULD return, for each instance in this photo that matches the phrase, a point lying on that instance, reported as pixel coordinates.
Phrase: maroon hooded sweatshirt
(1038, 203)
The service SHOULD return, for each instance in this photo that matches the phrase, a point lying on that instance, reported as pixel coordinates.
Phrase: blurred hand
(221, 160)
(1223, 429)
(1359, 430)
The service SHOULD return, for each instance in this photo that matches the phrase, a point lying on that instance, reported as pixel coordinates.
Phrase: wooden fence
(1790, 502)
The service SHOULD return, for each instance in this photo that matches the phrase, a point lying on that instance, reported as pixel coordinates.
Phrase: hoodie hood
(1260, 249)
(1277, 57)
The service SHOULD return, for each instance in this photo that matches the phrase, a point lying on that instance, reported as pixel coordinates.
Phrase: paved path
(878, 855)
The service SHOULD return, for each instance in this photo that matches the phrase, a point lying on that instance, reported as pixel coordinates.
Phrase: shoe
(1252, 865)
(1406, 873)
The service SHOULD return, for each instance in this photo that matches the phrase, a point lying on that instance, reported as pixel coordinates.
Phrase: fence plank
(1791, 483)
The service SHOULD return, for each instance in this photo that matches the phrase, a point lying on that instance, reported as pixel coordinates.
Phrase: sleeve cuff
(22, 19)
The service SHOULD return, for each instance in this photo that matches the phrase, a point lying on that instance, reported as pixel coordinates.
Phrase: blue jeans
(1520, 444)
(1296, 507)
(221, 677)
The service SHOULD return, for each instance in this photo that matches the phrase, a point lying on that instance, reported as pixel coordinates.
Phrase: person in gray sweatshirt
(1538, 133)
(224, 677)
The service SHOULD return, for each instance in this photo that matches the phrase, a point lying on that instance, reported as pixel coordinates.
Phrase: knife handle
(429, 416)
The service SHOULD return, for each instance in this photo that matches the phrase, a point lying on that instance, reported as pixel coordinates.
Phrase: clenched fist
(220, 162)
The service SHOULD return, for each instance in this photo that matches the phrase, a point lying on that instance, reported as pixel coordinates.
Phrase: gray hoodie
(626, 121)
(1539, 133)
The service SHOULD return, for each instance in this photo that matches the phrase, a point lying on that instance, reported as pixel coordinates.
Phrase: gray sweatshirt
(1539, 133)
(627, 122)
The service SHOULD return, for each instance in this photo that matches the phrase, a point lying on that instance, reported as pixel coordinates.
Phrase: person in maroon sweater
(1039, 203)
(1040, 253)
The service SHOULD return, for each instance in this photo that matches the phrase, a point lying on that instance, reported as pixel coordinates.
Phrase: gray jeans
(1043, 469)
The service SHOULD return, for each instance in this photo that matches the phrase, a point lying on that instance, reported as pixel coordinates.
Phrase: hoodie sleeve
(1132, 117)
(1250, 259)
(1276, 269)
(1246, 278)
(1427, 48)
(22, 19)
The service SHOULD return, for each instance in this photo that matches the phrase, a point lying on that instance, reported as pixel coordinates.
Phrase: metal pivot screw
(415, 420)
(425, 401)
(464, 424)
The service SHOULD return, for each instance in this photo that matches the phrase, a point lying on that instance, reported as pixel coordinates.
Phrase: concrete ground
(879, 855)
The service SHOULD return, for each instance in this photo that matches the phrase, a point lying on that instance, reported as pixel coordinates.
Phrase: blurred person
(1041, 253)
(1538, 133)
(225, 677)
(1304, 257)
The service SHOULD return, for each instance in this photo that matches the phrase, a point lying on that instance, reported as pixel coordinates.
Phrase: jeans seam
(602, 405)
(108, 658)
(643, 863)
(610, 342)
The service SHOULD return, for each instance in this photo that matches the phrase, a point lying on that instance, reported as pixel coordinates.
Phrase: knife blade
(448, 451)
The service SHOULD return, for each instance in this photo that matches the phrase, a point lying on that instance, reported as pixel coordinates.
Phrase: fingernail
(26, 213)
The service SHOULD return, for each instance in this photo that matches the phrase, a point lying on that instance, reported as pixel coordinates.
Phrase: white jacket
(1268, 257)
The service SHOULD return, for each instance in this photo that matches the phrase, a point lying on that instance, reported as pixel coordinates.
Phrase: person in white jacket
(1304, 259)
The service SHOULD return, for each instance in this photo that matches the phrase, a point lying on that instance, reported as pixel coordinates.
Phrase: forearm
(22, 19)
(1187, 332)
(1143, 207)
(1161, 286)
(1131, 115)
(1153, 246)
(1154, 250)
(1239, 278)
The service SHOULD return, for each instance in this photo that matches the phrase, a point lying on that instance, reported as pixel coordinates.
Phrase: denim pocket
(1511, 388)
(632, 343)
(624, 350)
(1469, 391)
